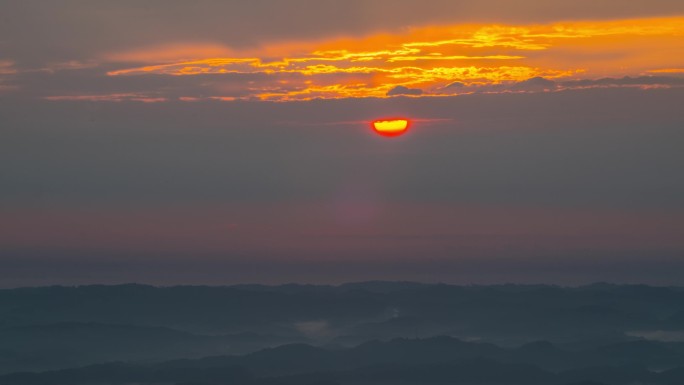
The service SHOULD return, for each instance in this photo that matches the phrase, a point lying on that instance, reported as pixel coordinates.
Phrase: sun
(391, 127)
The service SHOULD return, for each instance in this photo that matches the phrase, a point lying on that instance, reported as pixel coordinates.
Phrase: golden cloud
(429, 58)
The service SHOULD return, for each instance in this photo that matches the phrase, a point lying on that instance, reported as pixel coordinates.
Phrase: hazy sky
(228, 141)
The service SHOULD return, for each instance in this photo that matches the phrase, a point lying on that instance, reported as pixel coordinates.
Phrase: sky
(221, 142)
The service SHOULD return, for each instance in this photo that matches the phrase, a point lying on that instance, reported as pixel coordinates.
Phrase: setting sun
(391, 127)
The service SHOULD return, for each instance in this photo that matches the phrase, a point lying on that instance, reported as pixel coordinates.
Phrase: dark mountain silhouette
(331, 334)
(587, 383)
(615, 375)
(468, 371)
(434, 360)
(536, 309)
(463, 371)
(122, 373)
(68, 344)
(289, 359)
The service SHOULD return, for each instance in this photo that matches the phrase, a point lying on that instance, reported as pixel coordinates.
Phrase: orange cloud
(7, 67)
(669, 70)
(429, 58)
(109, 98)
(169, 53)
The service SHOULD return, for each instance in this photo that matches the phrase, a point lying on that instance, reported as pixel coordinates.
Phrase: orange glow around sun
(391, 127)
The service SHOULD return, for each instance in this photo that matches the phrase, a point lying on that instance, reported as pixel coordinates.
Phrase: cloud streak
(429, 58)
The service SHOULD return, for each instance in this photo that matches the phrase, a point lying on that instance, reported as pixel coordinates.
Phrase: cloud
(485, 57)
(108, 98)
(47, 32)
(540, 84)
(455, 86)
(626, 81)
(169, 53)
(668, 70)
(535, 84)
(401, 90)
(7, 76)
(7, 67)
